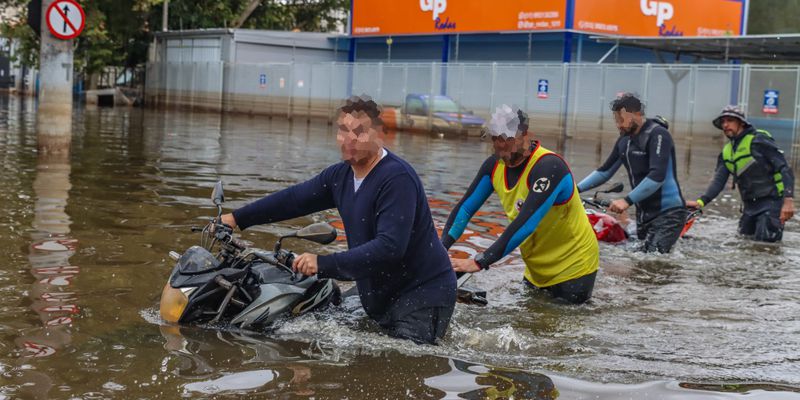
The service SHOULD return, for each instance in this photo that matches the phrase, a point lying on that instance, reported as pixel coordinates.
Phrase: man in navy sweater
(402, 271)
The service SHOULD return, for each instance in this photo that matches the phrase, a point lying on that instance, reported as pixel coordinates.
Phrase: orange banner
(659, 18)
(397, 17)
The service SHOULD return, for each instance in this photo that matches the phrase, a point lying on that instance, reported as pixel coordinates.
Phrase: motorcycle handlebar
(220, 280)
(224, 233)
(237, 243)
(599, 203)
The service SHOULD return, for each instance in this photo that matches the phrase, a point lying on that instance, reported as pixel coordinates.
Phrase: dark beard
(515, 158)
(631, 130)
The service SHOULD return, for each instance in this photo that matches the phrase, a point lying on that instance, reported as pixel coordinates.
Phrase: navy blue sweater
(395, 255)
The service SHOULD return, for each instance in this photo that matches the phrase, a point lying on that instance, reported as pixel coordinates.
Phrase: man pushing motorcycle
(402, 271)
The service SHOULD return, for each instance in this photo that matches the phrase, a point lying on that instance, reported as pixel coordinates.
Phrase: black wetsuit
(649, 158)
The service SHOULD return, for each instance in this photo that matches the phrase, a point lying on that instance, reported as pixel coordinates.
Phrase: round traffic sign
(65, 19)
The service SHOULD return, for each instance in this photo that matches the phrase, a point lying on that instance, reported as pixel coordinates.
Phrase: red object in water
(688, 225)
(606, 228)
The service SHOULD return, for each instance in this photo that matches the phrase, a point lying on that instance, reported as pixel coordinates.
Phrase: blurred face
(627, 122)
(732, 127)
(358, 140)
(512, 150)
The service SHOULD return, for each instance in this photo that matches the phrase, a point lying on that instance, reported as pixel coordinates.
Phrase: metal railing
(575, 104)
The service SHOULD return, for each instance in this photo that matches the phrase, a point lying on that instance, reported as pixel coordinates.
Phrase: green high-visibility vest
(755, 181)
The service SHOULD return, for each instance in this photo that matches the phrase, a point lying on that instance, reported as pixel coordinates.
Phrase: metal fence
(575, 104)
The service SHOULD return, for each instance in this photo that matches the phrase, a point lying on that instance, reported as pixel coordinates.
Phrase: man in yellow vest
(759, 169)
(547, 220)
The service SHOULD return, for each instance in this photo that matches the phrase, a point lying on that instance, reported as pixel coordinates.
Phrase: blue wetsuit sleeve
(396, 207)
(302, 199)
(596, 178)
(477, 193)
(767, 149)
(721, 174)
(550, 182)
(604, 173)
(659, 151)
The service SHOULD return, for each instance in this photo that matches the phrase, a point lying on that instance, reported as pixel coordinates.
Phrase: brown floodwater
(87, 239)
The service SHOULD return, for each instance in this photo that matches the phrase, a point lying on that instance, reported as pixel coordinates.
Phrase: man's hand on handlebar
(305, 264)
(618, 206)
(226, 222)
(229, 220)
(692, 205)
(464, 265)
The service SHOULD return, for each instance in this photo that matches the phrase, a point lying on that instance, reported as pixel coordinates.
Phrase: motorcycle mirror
(615, 188)
(217, 196)
(320, 232)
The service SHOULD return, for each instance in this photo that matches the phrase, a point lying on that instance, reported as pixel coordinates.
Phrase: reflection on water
(276, 368)
(87, 239)
(49, 254)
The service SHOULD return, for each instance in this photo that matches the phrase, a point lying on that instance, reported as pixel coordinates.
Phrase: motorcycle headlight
(173, 303)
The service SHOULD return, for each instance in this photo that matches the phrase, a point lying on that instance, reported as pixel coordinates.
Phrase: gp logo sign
(436, 6)
(662, 10)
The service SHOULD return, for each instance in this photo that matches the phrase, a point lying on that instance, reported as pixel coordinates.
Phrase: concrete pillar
(54, 118)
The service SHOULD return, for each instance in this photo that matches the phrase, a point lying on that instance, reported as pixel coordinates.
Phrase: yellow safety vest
(563, 246)
(754, 180)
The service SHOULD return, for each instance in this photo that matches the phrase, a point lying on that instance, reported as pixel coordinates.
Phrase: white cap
(504, 122)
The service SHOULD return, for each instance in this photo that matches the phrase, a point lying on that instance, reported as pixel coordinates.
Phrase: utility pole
(54, 118)
(165, 16)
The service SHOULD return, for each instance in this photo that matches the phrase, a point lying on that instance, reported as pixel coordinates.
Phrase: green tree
(773, 16)
(118, 33)
(28, 43)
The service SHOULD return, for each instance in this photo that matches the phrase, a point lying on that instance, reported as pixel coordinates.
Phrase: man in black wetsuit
(404, 278)
(646, 150)
(759, 169)
(547, 220)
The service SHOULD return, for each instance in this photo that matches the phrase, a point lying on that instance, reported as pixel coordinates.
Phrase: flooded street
(87, 240)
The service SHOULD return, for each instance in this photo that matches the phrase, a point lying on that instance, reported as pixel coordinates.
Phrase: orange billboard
(399, 17)
(660, 18)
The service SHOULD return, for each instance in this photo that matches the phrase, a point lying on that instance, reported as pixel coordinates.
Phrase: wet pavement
(86, 240)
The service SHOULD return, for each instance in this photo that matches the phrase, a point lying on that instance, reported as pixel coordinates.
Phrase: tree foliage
(773, 16)
(118, 33)
(27, 52)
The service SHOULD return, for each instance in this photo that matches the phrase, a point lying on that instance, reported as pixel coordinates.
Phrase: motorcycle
(607, 228)
(225, 281)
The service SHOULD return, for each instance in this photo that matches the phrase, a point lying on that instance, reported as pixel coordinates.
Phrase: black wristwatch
(480, 260)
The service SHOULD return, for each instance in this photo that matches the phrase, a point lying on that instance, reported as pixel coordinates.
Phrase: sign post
(62, 21)
(65, 19)
(543, 89)
(770, 101)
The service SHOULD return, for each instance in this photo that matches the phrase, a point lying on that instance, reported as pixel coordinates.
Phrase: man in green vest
(759, 169)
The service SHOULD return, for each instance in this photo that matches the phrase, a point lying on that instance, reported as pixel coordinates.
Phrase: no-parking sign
(65, 19)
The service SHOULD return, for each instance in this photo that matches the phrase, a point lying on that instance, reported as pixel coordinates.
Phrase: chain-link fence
(571, 100)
